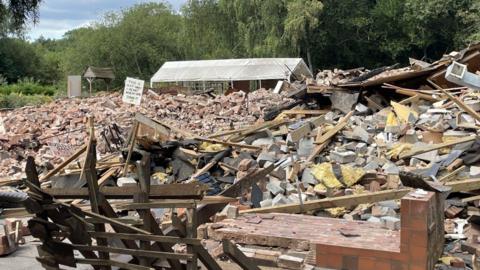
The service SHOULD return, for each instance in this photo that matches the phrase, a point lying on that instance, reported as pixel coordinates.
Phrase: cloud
(60, 16)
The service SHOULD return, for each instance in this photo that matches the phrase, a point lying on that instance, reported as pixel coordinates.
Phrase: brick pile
(29, 130)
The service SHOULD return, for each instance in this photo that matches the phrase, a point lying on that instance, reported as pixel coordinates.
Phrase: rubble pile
(337, 76)
(61, 124)
(384, 162)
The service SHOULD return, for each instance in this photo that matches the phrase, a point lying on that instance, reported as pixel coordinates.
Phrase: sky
(60, 16)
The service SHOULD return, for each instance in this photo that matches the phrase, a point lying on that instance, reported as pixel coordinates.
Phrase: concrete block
(380, 211)
(279, 200)
(361, 148)
(361, 134)
(391, 223)
(265, 157)
(305, 147)
(290, 189)
(343, 100)
(126, 181)
(267, 195)
(230, 211)
(266, 203)
(374, 220)
(308, 178)
(343, 157)
(274, 188)
(290, 262)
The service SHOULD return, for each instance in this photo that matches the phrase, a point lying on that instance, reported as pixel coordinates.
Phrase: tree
(15, 14)
(302, 19)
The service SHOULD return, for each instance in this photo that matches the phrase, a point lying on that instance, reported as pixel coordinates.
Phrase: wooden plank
(237, 256)
(131, 145)
(269, 124)
(129, 221)
(464, 185)
(206, 258)
(318, 148)
(305, 112)
(114, 222)
(340, 125)
(63, 164)
(142, 119)
(190, 190)
(341, 201)
(471, 199)
(462, 105)
(173, 203)
(236, 190)
(90, 173)
(306, 128)
(143, 237)
(428, 148)
(238, 145)
(118, 264)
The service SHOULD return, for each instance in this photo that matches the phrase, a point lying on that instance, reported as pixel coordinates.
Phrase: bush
(28, 87)
(15, 100)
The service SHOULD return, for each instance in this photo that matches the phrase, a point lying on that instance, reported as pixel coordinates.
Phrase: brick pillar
(422, 236)
(420, 243)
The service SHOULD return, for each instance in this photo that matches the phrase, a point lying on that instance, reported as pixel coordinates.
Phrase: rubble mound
(36, 130)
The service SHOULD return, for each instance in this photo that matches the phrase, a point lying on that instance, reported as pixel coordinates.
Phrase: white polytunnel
(232, 70)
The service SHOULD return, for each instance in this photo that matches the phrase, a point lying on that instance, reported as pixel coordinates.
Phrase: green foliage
(27, 87)
(136, 41)
(15, 100)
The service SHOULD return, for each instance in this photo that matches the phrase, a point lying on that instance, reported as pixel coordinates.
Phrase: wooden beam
(122, 265)
(237, 256)
(269, 124)
(462, 105)
(306, 128)
(173, 191)
(428, 148)
(160, 128)
(131, 145)
(238, 145)
(63, 164)
(153, 238)
(342, 201)
(464, 185)
(306, 112)
(175, 203)
(340, 125)
(135, 252)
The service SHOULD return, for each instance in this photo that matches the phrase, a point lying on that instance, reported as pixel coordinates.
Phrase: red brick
(334, 261)
(350, 262)
(382, 265)
(366, 263)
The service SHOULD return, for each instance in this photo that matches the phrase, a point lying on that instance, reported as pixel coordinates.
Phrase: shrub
(28, 87)
(15, 100)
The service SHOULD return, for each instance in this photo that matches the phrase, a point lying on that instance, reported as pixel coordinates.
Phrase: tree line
(136, 41)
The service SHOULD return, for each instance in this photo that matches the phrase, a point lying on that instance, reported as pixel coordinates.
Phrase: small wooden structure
(92, 73)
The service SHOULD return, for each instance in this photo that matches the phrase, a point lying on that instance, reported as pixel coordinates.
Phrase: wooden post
(192, 233)
(143, 168)
(130, 147)
(94, 194)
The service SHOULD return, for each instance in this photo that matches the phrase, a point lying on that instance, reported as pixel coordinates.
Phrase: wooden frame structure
(91, 232)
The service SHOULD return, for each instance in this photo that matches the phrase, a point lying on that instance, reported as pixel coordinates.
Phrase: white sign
(133, 91)
(2, 127)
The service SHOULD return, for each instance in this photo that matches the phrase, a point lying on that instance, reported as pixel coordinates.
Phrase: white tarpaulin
(231, 70)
